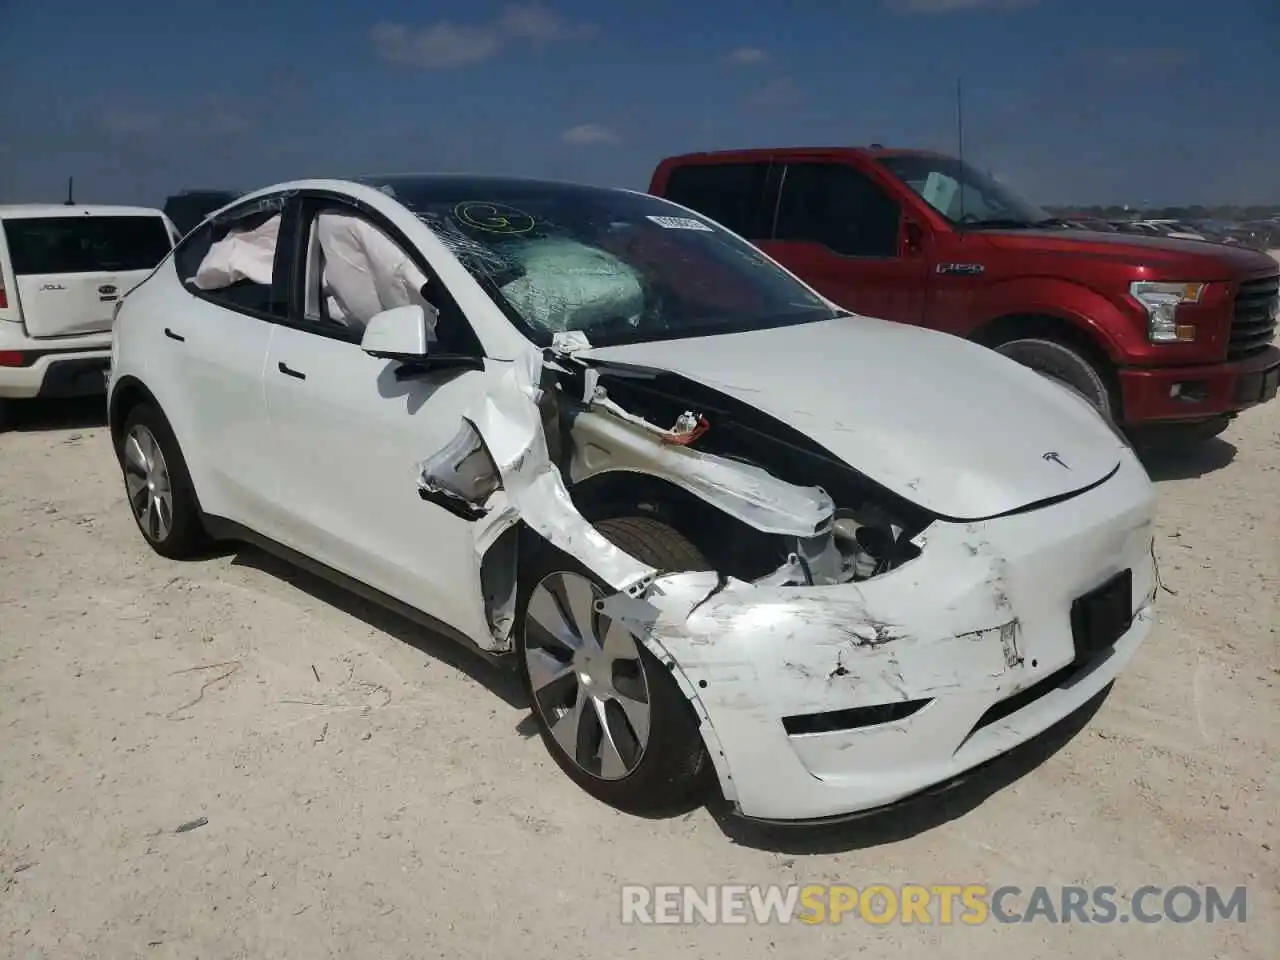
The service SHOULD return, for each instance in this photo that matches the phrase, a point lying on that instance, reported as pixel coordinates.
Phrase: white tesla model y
(711, 518)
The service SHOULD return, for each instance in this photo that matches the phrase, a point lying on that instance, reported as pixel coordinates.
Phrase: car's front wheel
(609, 712)
(157, 485)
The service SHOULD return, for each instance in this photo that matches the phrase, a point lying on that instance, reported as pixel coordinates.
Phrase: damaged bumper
(821, 696)
(822, 701)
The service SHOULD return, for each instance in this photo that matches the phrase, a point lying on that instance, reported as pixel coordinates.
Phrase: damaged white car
(717, 524)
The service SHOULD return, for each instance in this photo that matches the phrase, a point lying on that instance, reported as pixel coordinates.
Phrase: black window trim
(307, 204)
(825, 162)
(240, 212)
(769, 192)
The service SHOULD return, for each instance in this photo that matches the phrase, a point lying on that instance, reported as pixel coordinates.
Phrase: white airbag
(240, 255)
(365, 271)
(569, 286)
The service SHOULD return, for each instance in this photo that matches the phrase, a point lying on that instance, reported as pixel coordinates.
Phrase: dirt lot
(373, 792)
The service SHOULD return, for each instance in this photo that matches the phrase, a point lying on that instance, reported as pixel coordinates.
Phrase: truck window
(839, 207)
(80, 244)
(733, 194)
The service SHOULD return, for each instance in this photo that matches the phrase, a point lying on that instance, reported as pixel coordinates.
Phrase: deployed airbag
(240, 255)
(365, 271)
(568, 286)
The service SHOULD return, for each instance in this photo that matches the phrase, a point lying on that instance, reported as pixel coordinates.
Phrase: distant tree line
(1229, 212)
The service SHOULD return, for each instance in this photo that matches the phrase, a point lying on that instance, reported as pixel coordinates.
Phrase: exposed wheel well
(1017, 326)
(730, 546)
(127, 395)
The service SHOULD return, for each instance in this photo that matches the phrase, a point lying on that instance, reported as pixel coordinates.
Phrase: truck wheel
(610, 714)
(1065, 365)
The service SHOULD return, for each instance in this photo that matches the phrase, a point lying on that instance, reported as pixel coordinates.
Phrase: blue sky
(1160, 101)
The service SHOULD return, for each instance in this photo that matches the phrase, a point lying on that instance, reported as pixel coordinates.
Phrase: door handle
(174, 336)
(288, 372)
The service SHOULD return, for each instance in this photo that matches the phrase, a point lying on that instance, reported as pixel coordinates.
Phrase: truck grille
(1253, 325)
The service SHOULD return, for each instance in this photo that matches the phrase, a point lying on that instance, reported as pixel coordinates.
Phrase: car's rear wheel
(157, 485)
(609, 712)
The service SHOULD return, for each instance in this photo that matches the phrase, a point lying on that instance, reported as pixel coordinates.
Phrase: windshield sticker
(493, 217)
(681, 223)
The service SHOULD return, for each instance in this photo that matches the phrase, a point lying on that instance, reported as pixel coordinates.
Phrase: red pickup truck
(1169, 338)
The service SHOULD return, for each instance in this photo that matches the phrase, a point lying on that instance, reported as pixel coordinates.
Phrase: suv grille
(1252, 324)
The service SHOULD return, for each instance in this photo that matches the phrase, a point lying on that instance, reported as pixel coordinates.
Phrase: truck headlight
(1161, 301)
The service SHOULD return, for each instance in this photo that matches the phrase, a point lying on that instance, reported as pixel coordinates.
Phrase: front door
(349, 430)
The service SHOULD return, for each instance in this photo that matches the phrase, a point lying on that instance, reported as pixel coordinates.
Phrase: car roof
(765, 153)
(358, 184)
(20, 210)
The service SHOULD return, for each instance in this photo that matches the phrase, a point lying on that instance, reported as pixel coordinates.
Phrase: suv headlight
(1161, 301)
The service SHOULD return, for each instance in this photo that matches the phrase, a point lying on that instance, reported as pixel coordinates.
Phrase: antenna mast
(960, 144)
(70, 202)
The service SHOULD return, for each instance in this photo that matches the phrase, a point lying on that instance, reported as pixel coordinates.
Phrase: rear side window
(40, 245)
(732, 194)
(838, 207)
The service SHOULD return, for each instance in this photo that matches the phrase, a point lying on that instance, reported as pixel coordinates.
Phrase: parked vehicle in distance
(63, 270)
(1159, 228)
(696, 505)
(1169, 338)
(187, 208)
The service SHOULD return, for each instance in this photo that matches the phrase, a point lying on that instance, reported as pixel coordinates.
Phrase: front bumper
(984, 614)
(1199, 392)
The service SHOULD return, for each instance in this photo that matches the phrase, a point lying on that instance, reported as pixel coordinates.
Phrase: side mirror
(397, 334)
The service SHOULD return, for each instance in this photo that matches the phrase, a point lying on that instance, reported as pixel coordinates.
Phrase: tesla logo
(1052, 457)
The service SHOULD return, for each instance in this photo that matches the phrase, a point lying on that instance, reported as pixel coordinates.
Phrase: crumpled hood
(942, 422)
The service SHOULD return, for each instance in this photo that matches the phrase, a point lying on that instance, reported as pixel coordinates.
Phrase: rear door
(70, 271)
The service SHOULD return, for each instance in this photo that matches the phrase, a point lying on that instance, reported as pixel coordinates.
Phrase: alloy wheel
(588, 681)
(147, 482)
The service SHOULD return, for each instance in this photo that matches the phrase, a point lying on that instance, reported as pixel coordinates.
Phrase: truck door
(846, 236)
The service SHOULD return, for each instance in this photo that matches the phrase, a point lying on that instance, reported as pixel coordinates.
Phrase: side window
(839, 207)
(232, 261)
(355, 268)
(730, 193)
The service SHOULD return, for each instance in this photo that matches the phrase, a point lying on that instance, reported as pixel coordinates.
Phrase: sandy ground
(371, 791)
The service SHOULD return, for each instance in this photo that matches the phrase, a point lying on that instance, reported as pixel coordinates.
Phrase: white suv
(63, 270)
(863, 558)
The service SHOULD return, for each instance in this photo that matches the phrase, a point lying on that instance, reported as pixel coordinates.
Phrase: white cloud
(535, 22)
(590, 133)
(782, 92)
(748, 56)
(446, 44)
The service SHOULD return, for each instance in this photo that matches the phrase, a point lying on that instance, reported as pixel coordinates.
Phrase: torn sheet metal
(509, 420)
(604, 440)
(460, 477)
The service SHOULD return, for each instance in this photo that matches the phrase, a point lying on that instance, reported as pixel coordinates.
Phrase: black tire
(1065, 364)
(673, 767)
(184, 536)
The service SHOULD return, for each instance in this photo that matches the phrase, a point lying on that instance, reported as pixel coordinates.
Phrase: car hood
(1205, 259)
(951, 426)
